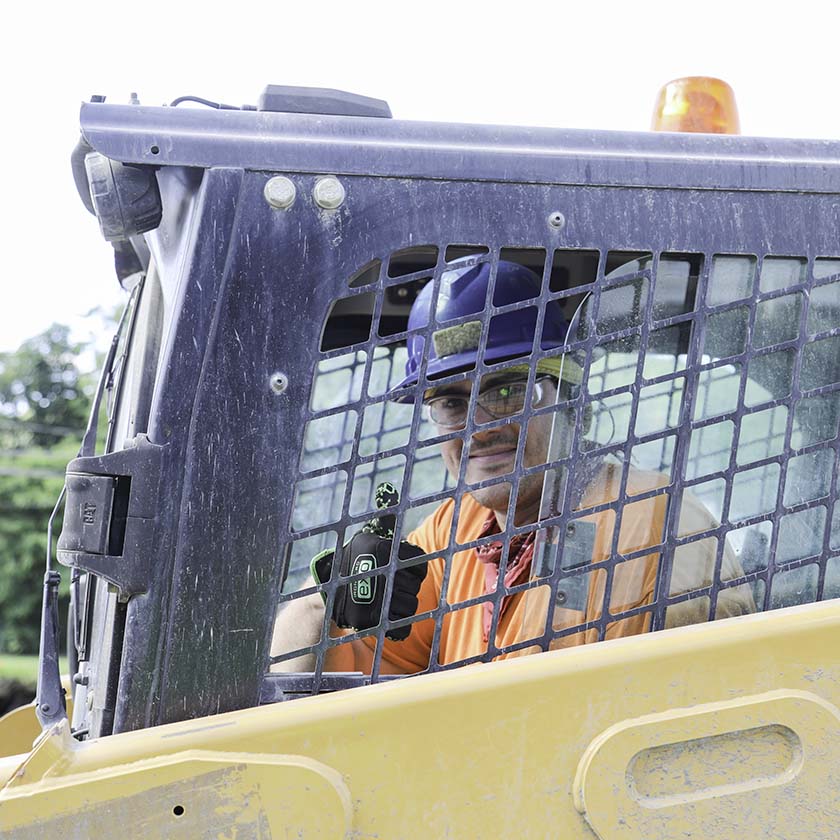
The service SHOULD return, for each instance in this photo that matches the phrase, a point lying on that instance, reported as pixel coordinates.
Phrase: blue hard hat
(463, 291)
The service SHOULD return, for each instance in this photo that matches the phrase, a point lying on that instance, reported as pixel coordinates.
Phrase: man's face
(492, 452)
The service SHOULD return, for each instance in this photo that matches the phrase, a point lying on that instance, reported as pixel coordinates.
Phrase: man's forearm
(299, 624)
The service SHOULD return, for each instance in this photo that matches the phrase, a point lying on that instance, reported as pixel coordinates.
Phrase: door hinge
(109, 515)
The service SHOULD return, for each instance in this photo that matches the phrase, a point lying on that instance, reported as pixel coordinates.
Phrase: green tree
(43, 395)
(44, 403)
(30, 482)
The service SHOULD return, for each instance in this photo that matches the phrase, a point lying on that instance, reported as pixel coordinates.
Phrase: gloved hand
(358, 604)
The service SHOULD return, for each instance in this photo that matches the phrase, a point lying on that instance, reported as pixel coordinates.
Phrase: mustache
(502, 440)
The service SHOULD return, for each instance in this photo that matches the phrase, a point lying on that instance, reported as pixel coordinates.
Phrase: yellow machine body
(724, 730)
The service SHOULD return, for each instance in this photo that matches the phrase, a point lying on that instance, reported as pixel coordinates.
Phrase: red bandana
(518, 566)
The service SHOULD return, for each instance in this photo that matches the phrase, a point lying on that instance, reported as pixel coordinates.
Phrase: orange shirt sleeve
(412, 655)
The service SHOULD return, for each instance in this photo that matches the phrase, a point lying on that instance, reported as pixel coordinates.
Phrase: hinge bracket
(109, 515)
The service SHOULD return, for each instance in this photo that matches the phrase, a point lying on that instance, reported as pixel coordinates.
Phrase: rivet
(278, 382)
(328, 193)
(561, 597)
(557, 220)
(280, 192)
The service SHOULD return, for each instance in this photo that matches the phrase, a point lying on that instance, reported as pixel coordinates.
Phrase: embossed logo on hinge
(89, 513)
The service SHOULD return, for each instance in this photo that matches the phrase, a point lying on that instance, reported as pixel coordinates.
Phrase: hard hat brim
(437, 368)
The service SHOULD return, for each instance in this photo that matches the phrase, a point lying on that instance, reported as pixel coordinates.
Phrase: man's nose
(487, 435)
(482, 415)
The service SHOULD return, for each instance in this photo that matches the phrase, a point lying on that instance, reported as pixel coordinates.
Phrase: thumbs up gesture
(358, 604)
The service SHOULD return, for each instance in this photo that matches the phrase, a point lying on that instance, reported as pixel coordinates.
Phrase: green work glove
(358, 604)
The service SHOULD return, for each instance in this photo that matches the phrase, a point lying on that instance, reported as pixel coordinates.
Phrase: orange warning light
(696, 103)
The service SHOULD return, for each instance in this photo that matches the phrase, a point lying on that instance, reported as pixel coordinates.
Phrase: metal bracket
(108, 517)
(50, 706)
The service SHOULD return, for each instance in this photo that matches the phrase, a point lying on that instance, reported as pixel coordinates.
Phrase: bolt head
(329, 193)
(280, 192)
(557, 220)
(278, 382)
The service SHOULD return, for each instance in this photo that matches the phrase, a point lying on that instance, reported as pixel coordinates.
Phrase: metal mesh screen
(691, 475)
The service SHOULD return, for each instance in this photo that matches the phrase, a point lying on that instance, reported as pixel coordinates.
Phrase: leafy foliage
(43, 390)
(44, 403)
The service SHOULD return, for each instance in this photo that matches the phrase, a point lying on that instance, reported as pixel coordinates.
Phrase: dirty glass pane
(731, 278)
(338, 381)
(816, 419)
(782, 272)
(387, 369)
(700, 507)
(762, 434)
(676, 285)
(411, 260)
(386, 425)
(350, 322)
(366, 275)
(622, 306)
(831, 587)
(824, 308)
(801, 535)
(666, 351)
(615, 366)
(318, 500)
(659, 407)
(717, 391)
(610, 418)
(429, 474)
(820, 363)
(834, 538)
(709, 449)
(694, 565)
(328, 441)
(776, 320)
(769, 377)
(656, 455)
(809, 477)
(726, 333)
(300, 557)
(751, 545)
(754, 492)
(824, 268)
(796, 586)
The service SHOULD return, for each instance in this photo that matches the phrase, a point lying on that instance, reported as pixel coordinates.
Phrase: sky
(561, 64)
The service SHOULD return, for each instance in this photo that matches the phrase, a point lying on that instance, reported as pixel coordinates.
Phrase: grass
(24, 669)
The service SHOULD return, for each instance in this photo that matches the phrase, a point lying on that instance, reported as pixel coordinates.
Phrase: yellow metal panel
(492, 750)
(707, 771)
(20, 727)
(18, 730)
(186, 795)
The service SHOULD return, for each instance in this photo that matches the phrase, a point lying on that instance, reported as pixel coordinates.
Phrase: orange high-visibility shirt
(642, 526)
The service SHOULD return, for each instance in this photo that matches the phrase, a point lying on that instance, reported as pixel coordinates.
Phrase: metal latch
(575, 549)
(109, 512)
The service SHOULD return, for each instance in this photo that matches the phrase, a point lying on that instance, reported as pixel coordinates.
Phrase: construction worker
(483, 511)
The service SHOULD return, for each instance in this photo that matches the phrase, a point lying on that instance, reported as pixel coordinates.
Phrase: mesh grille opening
(669, 459)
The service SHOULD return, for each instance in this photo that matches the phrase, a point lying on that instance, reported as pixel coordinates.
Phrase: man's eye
(506, 392)
(452, 403)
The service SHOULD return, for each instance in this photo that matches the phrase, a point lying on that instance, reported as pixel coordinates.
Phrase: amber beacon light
(696, 104)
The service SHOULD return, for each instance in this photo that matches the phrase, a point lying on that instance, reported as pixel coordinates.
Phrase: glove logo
(363, 591)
